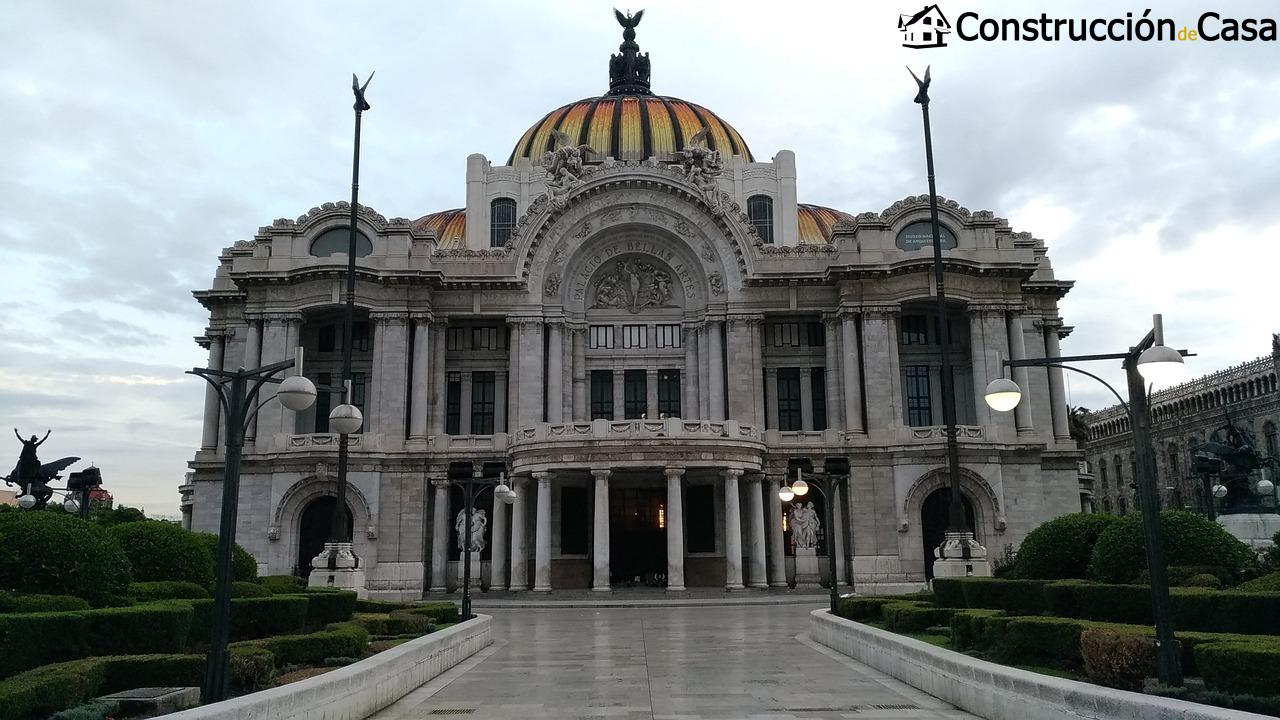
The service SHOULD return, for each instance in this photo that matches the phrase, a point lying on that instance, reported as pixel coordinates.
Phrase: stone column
(542, 544)
(274, 342)
(531, 379)
(651, 393)
(704, 376)
(1018, 351)
(440, 536)
(978, 363)
(689, 402)
(756, 577)
(771, 397)
(513, 380)
(439, 382)
(555, 371)
(420, 383)
(756, 326)
(600, 536)
(741, 392)
(293, 331)
(884, 376)
(715, 370)
(831, 373)
(732, 530)
(253, 359)
(519, 536)
(1057, 394)
(777, 559)
(498, 550)
(837, 535)
(212, 405)
(851, 375)
(391, 364)
(675, 529)
(579, 340)
(619, 396)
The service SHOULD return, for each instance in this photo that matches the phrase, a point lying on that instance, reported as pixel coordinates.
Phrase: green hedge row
(10, 603)
(252, 617)
(166, 590)
(34, 639)
(338, 640)
(392, 623)
(327, 606)
(1244, 666)
(910, 617)
(282, 584)
(36, 694)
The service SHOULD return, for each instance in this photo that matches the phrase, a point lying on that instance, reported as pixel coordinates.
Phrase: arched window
(1102, 465)
(502, 220)
(338, 240)
(1173, 462)
(1269, 436)
(760, 212)
(1116, 466)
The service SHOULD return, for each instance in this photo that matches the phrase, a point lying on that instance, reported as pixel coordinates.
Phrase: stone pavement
(685, 663)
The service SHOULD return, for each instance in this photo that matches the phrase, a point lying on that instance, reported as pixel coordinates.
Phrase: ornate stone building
(638, 322)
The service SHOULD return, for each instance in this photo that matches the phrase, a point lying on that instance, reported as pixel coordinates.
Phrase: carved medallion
(708, 252)
(552, 287)
(717, 283)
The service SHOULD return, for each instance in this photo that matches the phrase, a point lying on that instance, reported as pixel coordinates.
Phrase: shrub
(968, 627)
(251, 668)
(133, 671)
(1061, 548)
(35, 639)
(949, 592)
(244, 567)
(863, 608)
(1251, 667)
(1256, 613)
(282, 584)
(1000, 594)
(914, 616)
(1178, 575)
(241, 589)
(36, 694)
(1049, 641)
(76, 557)
(166, 590)
(380, 606)
(164, 551)
(339, 640)
(1269, 705)
(1189, 539)
(1094, 601)
(329, 606)
(10, 603)
(392, 624)
(93, 710)
(1266, 583)
(1271, 558)
(157, 628)
(253, 617)
(1204, 580)
(444, 612)
(1116, 659)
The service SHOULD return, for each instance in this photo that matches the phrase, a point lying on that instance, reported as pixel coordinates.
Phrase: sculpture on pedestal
(804, 525)
(479, 523)
(32, 476)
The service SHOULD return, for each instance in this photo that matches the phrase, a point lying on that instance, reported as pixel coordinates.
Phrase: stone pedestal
(808, 574)
(1253, 529)
(347, 575)
(475, 570)
(952, 562)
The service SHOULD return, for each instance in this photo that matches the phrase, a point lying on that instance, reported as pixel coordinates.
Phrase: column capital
(251, 316)
(389, 318)
(775, 477)
(693, 325)
(745, 319)
(218, 333)
(524, 321)
(439, 482)
(559, 322)
(422, 318)
(673, 472)
(754, 477)
(440, 322)
(734, 473)
(543, 477)
(282, 318)
(601, 473)
(847, 312)
(881, 311)
(1048, 323)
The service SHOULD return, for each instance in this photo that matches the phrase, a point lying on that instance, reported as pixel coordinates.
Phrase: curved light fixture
(1219, 491)
(1161, 365)
(70, 505)
(346, 419)
(296, 393)
(786, 494)
(1265, 487)
(26, 502)
(800, 487)
(1003, 394)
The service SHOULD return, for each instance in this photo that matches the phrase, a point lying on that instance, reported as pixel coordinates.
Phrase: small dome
(817, 222)
(450, 227)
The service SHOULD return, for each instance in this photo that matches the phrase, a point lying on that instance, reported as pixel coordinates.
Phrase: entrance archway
(934, 518)
(637, 536)
(313, 531)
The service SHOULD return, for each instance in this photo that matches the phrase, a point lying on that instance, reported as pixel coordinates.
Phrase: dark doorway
(934, 515)
(313, 531)
(638, 536)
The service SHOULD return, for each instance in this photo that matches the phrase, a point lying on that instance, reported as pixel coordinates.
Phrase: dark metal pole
(828, 496)
(215, 677)
(1168, 665)
(468, 497)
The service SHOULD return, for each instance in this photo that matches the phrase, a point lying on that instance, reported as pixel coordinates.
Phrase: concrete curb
(668, 602)
(997, 692)
(361, 689)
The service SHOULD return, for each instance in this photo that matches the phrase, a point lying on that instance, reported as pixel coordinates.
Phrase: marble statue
(804, 525)
(479, 523)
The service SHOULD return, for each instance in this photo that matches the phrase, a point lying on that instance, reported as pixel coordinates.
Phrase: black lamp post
(237, 391)
(1149, 358)
(472, 488)
(827, 484)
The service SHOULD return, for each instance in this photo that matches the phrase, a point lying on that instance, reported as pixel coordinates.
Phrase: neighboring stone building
(647, 334)
(1183, 416)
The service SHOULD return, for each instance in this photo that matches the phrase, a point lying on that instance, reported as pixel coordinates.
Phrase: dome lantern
(629, 72)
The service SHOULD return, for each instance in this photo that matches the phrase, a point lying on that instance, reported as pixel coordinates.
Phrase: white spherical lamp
(345, 419)
(800, 487)
(1003, 394)
(1219, 491)
(1265, 487)
(70, 505)
(1161, 365)
(297, 393)
(786, 494)
(26, 502)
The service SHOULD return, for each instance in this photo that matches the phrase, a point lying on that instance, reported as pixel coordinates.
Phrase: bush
(328, 606)
(1189, 539)
(1267, 583)
(164, 551)
(1269, 705)
(94, 710)
(251, 668)
(1250, 613)
(1115, 659)
(863, 608)
(1271, 558)
(949, 592)
(1250, 667)
(380, 606)
(253, 617)
(282, 584)
(117, 515)
(241, 589)
(1178, 575)
(166, 590)
(34, 639)
(969, 628)
(339, 640)
(244, 567)
(999, 594)
(1204, 580)
(76, 557)
(1062, 547)
(1094, 601)
(908, 617)
(10, 603)
(393, 624)
(36, 694)
(1049, 641)
(446, 612)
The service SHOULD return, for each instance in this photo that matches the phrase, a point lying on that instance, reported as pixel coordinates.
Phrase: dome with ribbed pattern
(630, 127)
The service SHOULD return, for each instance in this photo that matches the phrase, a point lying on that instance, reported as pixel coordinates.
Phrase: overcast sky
(139, 139)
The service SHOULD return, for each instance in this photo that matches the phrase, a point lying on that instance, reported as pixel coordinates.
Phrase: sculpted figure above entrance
(633, 285)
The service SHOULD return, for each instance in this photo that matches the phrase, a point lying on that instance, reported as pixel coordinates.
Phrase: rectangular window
(789, 399)
(358, 385)
(453, 404)
(700, 518)
(635, 394)
(785, 334)
(635, 336)
(601, 337)
(669, 393)
(602, 394)
(360, 337)
(818, 388)
(487, 338)
(668, 336)
(919, 403)
(324, 402)
(327, 338)
(914, 330)
(482, 396)
(573, 521)
(455, 338)
(815, 333)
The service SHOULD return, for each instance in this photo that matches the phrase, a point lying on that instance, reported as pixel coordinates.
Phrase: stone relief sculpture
(804, 525)
(564, 165)
(701, 164)
(552, 285)
(633, 285)
(717, 283)
(479, 523)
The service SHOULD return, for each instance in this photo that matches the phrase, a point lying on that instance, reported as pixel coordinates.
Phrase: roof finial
(629, 72)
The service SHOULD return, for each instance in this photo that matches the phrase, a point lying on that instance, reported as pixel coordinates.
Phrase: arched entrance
(934, 518)
(637, 536)
(313, 531)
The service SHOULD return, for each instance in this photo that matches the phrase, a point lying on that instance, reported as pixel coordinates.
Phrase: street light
(1149, 359)
(471, 489)
(827, 485)
(236, 395)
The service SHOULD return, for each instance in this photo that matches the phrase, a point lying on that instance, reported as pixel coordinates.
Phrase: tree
(117, 516)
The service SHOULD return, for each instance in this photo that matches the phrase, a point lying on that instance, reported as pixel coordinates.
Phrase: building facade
(636, 320)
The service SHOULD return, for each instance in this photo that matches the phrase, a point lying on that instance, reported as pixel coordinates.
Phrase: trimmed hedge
(1251, 667)
(243, 565)
(969, 627)
(1052, 641)
(1203, 609)
(164, 551)
(863, 608)
(948, 592)
(446, 612)
(241, 589)
(36, 694)
(1267, 583)
(380, 606)
(329, 606)
(35, 639)
(1189, 539)
(1000, 594)
(10, 603)
(338, 640)
(911, 617)
(1116, 659)
(1179, 575)
(166, 590)
(282, 584)
(76, 557)
(392, 624)
(253, 617)
(1062, 547)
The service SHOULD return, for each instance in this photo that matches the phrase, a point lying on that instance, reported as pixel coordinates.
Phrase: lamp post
(960, 543)
(1153, 360)
(237, 391)
(471, 489)
(827, 485)
(83, 482)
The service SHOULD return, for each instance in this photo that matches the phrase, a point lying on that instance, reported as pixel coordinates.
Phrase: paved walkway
(673, 663)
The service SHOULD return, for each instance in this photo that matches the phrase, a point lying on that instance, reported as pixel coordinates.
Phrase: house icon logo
(926, 29)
